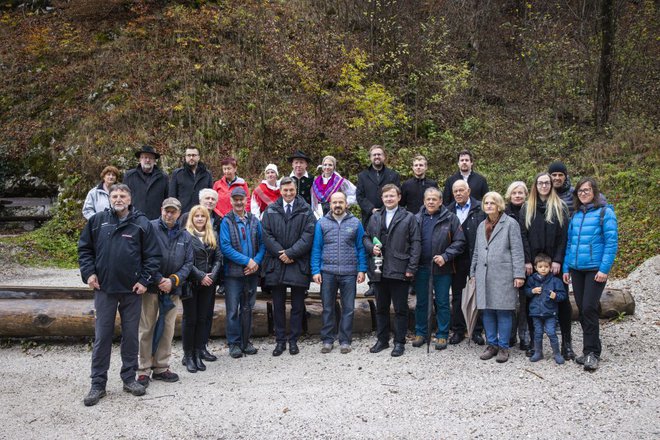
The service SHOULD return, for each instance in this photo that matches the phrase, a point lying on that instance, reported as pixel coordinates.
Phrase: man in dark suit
(469, 212)
(369, 186)
(477, 183)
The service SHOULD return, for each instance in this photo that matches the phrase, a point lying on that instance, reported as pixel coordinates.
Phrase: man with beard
(562, 184)
(288, 233)
(148, 184)
(118, 256)
(338, 262)
(476, 182)
(187, 181)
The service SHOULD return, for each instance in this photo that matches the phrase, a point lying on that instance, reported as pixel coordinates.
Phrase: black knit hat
(557, 167)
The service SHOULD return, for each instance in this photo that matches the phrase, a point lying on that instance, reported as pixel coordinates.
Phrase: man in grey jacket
(393, 234)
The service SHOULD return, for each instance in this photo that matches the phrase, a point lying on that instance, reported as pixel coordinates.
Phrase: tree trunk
(607, 21)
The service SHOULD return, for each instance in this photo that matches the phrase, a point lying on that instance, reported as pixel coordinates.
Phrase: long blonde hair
(208, 238)
(555, 208)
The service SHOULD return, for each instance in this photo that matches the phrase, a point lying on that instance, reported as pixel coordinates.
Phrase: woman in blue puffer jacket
(592, 245)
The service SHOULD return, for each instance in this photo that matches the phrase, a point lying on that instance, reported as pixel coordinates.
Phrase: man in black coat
(119, 257)
(371, 181)
(186, 182)
(477, 182)
(562, 184)
(412, 190)
(148, 184)
(469, 212)
(398, 233)
(288, 233)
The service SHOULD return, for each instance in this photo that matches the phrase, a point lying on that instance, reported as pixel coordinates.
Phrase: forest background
(520, 83)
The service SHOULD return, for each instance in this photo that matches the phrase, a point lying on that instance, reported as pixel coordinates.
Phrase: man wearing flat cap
(160, 302)
(299, 162)
(148, 184)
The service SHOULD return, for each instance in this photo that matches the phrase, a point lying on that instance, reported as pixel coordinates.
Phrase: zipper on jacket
(577, 246)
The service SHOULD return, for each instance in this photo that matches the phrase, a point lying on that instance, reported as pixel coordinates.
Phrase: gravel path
(448, 394)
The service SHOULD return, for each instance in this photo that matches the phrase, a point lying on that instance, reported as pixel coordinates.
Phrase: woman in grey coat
(498, 263)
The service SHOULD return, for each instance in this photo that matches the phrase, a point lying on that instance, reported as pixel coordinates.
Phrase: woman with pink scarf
(327, 184)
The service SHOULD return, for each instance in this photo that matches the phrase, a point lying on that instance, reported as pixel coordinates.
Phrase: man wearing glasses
(186, 182)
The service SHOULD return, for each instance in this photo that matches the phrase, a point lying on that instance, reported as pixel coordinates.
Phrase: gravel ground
(447, 394)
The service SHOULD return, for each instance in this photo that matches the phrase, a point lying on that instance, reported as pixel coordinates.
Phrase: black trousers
(587, 296)
(395, 292)
(458, 283)
(564, 315)
(195, 314)
(279, 312)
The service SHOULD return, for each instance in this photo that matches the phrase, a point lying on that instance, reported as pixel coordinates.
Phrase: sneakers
(235, 351)
(591, 362)
(165, 376)
(440, 343)
(327, 348)
(489, 353)
(93, 397)
(580, 359)
(345, 349)
(250, 349)
(502, 355)
(134, 388)
(144, 380)
(418, 341)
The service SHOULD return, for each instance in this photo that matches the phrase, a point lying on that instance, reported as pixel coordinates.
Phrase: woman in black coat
(207, 260)
(515, 198)
(544, 227)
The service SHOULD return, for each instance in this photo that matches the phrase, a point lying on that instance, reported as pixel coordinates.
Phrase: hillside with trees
(520, 83)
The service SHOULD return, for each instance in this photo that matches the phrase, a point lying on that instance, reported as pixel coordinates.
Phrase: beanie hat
(558, 167)
(272, 166)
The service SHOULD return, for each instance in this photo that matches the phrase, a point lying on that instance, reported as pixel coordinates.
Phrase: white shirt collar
(294, 174)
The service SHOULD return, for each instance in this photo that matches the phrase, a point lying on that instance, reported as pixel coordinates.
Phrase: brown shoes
(502, 356)
(489, 353)
(419, 341)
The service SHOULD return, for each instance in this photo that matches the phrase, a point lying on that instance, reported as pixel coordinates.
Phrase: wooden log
(612, 303)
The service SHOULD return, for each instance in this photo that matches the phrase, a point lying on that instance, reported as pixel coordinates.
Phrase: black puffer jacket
(401, 243)
(205, 260)
(294, 236)
(119, 253)
(543, 237)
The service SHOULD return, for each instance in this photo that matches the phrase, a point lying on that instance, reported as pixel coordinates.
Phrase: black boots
(189, 362)
(567, 348)
(197, 359)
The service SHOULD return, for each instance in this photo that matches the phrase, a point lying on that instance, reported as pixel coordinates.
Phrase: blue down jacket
(592, 240)
(541, 304)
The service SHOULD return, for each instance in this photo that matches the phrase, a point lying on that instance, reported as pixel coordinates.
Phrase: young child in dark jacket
(545, 291)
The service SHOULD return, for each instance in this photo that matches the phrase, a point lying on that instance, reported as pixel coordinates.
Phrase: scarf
(490, 225)
(265, 195)
(323, 191)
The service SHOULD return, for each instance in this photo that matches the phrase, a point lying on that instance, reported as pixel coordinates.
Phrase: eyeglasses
(543, 183)
(584, 191)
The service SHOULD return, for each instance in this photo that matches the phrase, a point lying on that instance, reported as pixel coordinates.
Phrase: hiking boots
(134, 388)
(502, 356)
(166, 376)
(93, 397)
(440, 343)
(144, 380)
(418, 341)
(235, 351)
(250, 349)
(489, 353)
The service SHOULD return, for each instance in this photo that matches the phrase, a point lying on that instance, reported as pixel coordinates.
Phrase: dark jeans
(587, 296)
(564, 315)
(441, 285)
(458, 283)
(240, 298)
(547, 324)
(195, 313)
(279, 312)
(346, 284)
(130, 308)
(395, 292)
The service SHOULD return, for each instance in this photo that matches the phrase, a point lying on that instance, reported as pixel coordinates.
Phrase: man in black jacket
(147, 182)
(119, 257)
(469, 212)
(288, 233)
(371, 181)
(159, 305)
(562, 184)
(477, 182)
(412, 190)
(187, 181)
(398, 243)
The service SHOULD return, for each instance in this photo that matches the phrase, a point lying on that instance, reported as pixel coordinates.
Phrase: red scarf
(265, 196)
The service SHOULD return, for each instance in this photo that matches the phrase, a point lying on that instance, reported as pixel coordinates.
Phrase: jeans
(564, 316)
(346, 284)
(395, 292)
(497, 324)
(195, 313)
(239, 307)
(441, 284)
(547, 324)
(279, 312)
(587, 296)
(106, 305)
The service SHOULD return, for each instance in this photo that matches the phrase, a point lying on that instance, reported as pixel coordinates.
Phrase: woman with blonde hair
(328, 183)
(544, 227)
(207, 261)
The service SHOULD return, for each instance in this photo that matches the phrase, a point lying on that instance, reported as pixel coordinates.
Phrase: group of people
(152, 242)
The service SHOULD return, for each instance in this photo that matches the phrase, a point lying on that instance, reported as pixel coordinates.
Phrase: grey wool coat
(496, 263)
